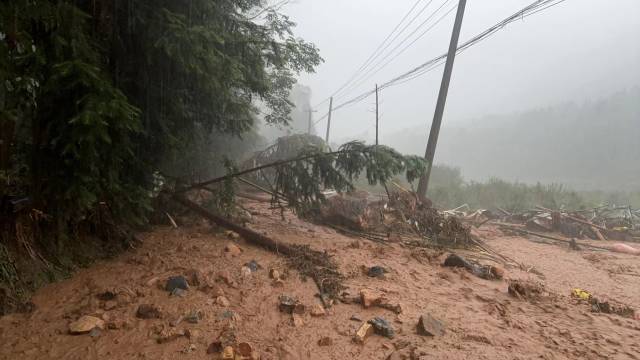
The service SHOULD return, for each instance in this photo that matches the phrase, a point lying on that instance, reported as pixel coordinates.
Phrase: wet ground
(482, 321)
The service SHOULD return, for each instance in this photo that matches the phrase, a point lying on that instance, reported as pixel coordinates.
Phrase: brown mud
(482, 320)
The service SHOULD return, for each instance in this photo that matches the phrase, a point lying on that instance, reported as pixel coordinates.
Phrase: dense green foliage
(99, 98)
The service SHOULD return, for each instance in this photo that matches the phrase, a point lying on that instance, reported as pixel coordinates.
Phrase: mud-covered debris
(488, 272)
(325, 341)
(430, 326)
(382, 327)
(454, 260)
(176, 282)
(85, 324)
(611, 307)
(319, 266)
(526, 289)
(376, 271)
(148, 311)
(363, 333)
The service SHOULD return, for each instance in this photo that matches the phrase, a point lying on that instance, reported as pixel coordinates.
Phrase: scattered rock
(290, 305)
(232, 234)
(95, 332)
(317, 310)
(85, 324)
(232, 250)
(197, 278)
(194, 316)
(382, 327)
(148, 311)
(215, 348)
(253, 265)
(325, 341)
(454, 260)
(189, 349)
(274, 274)
(223, 301)
(217, 291)
(363, 333)
(376, 271)
(297, 320)
(369, 299)
(225, 276)
(177, 282)
(430, 326)
(355, 318)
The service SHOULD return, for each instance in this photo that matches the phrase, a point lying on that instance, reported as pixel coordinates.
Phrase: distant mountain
(594, 145)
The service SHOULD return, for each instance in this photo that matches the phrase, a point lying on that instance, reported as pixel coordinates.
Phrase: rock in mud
(253, 265)
(363, 333)
(274, 274)
(454, 260)
(148, 311)
(232, 250)
(430, 326)
(110, 305)
(376, 271)
(197, 278)
(369, 299)
(215, 348)
(225, 276)
(223, 301)
(245, 272)
(177, 292)
(228, 353)
(290, 305)
(85, 324)
(382, 327)
(317, 310)
(177, 282)
(297, 320)
(194, 316)
(245, 349)
(168, 335)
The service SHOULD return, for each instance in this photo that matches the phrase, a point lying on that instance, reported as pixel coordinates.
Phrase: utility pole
(326, 139)
(423, 185)
(376, 114)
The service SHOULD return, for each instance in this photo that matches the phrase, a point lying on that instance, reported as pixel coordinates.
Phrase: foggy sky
(575, 51)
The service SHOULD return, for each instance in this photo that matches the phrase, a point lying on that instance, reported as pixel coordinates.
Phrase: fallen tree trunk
(248, 234)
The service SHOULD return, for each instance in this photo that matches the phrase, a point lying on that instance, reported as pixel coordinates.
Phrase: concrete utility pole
(376, 114)
(326, 139)
(423, 185)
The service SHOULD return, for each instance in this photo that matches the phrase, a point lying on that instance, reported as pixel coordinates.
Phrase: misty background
(553, 98)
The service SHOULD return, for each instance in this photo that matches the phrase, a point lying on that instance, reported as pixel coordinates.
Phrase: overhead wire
(531, 9)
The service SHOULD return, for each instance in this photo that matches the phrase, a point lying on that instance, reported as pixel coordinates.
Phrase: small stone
(252, 265)
(228, 353)
(363, 333)
(274, 274)
(368, 298)
(245, 349)
(317, 310)
(297, 320)
(197, 278)
(147, 311)
(376, 271)
(194, 316)
(232, 249)
(223, 301)
(325, 341)
(85, 324)
(245, 271)
(430, 326)
(382, 327)
(110, 305)
(287, 304)
(177, 282)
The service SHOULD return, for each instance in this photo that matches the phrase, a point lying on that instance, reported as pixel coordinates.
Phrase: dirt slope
(482, 321)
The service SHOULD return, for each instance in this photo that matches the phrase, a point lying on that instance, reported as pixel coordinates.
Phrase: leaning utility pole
(326, 139)
(442, 99)
(376, 114)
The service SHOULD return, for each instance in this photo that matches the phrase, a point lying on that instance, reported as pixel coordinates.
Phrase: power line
(533, 8)
(370, 74)
(376, 52)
